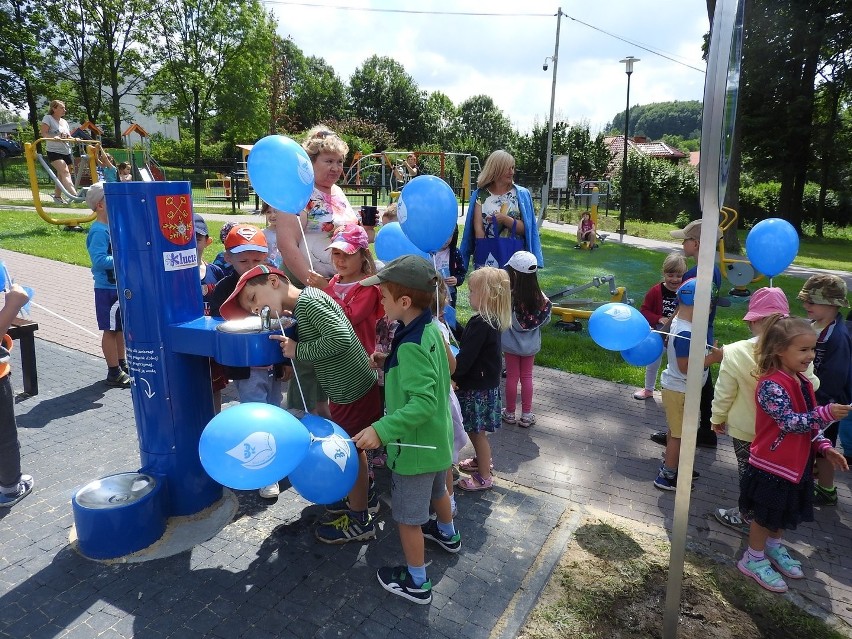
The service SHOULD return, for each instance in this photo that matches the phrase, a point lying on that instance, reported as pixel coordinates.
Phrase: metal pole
(545, 192)
(628, 61)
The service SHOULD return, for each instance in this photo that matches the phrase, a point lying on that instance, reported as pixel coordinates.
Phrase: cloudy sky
(500, 52)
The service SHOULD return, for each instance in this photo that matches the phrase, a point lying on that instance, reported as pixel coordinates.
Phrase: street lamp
(628, 64)
(545, 190)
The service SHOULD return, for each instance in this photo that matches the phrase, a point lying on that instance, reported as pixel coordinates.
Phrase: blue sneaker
(665, 483)
(397, 580)
(433, 533)
(341, 506)
(24, 488)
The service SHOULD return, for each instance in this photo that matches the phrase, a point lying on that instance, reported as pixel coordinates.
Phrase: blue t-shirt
(100, 252)
(717, 284)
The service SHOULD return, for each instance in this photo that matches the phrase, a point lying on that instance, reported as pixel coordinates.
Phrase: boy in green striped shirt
(325, 338)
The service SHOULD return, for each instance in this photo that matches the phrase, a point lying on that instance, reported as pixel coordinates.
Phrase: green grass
(635, 269)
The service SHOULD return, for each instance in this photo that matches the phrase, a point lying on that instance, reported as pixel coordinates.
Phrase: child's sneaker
(345, 529)
(433, 533)
(784, 563)
(270, 492)
(526, 420)
(57, 199)
(24, 488)
(380, 459)
(122, 380)
(342, 506)
(824, 496)
(763, 573)
(665, 483)
(398, 581)
(507, 417)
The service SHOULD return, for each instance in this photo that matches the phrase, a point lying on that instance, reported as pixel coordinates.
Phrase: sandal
(475, 482)
(507, 417)
(470, 465)
(784, 563)
(762, 572)
(643, 394)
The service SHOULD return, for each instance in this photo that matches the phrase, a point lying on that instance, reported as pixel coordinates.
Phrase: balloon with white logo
(252, 445)
(618, 327)
(428, 212)
(329, 470)
(281, 173)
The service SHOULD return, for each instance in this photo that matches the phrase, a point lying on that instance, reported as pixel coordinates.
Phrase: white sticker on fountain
(255, 451)
(336, 449)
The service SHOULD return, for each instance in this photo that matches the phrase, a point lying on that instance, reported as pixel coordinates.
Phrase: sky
(500, 52)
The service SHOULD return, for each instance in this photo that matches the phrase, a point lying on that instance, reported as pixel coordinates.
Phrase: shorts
(411, 495)
(307, 378)
(356, 416)
(52, 156)
(480, 409)
(673, 403)
(107, 309)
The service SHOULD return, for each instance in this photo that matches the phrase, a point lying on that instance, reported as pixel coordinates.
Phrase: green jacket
(417, 400)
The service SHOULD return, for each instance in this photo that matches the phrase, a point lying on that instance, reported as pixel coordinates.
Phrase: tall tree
(196, 40)
(440, 116)
(482, 127)
(25, 63)
(381, 91)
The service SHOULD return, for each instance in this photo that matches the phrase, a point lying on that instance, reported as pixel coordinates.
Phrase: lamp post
(628, 64)
(545, 190)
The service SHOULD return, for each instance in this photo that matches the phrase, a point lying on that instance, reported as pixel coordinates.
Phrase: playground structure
(739, 272)
(91, 152)
(569, 317)
(144, 167)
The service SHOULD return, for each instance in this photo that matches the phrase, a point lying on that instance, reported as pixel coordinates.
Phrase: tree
(381, 91)
(197, 39)
(441, 113)
(25, 64)
(654, 120)
(319, 94)
(482, 128)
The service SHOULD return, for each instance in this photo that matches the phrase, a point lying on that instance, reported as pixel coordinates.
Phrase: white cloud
(502, 57)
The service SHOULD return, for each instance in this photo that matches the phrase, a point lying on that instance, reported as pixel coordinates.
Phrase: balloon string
(437, 287)
(349, 439)
(295, 374)
(307, 248)
(654, 330)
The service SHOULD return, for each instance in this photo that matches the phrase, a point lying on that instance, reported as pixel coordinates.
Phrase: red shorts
(355, 417)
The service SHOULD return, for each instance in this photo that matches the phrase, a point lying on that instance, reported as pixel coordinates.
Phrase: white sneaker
(270, 492)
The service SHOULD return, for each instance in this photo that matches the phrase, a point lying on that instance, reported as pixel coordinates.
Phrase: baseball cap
(692, 231)
(767, 301)
(349, 239)
(409, 270)
(231, 308)
(826, 289)
(95, 194)
(200, 225)
(245, 237)
(523, 262)
(226, 228)
(686, 292)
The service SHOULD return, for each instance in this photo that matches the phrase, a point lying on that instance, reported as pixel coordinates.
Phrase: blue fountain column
(153, 242)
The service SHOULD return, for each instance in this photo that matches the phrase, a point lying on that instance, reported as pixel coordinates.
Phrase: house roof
(644, 146)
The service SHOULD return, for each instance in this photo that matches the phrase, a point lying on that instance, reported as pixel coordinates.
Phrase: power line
(314, 5)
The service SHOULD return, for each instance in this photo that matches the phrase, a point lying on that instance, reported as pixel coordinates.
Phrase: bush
(658, 190)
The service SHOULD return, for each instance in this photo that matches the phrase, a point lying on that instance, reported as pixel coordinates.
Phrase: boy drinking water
(325, 338)
(417, 390)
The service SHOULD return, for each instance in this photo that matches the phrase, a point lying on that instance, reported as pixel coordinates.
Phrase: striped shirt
(326, 338)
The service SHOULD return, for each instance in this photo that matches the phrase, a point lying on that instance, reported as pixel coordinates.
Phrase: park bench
(24, 331)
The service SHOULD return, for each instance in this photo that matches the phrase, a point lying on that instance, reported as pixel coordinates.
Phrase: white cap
(523, 262)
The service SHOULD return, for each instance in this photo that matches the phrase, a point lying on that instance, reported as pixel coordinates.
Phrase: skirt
(776, 503)
(480, 409)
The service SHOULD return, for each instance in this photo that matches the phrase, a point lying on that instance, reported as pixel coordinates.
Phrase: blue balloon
(617, 327)
(450, 316)
(771, 246)
(5, 279)
(30, 294)
(281, 173)
(316, 425)
(645, 352)
(428, 212)
(392, 243)
(252, 445)
(329, 470)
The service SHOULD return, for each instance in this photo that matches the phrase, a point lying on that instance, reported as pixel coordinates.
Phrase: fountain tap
(265, 319)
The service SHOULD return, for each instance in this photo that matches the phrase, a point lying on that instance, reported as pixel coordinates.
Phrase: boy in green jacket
(417, 390)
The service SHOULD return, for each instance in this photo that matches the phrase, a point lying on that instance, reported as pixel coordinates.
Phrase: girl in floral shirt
(530, 311)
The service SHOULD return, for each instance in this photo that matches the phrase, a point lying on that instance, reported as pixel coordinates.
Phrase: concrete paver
(264, 575)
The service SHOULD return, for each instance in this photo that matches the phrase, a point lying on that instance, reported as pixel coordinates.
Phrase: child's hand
(16, 297)
(450, 281)
(377, 360)
(367, 439)
(288, 346)
(837, 459)
(839, 411)
(316, 280)
(720, 429)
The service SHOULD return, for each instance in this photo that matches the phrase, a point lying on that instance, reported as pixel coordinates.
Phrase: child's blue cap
(686, 292)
